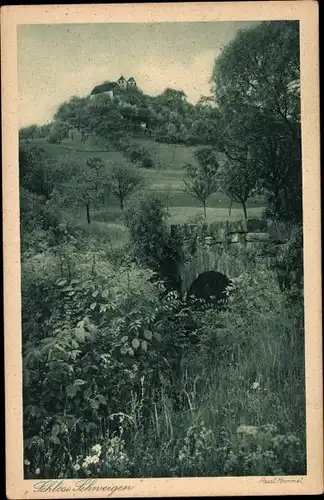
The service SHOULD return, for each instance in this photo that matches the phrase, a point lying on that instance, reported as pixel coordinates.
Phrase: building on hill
(131, 83)
(105, 88)
(108, 88)
(122, 82)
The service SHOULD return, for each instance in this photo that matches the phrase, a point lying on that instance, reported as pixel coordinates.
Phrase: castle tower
(131, 83)
(122, 82)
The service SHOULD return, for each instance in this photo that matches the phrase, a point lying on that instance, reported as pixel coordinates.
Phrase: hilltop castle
(108, 88)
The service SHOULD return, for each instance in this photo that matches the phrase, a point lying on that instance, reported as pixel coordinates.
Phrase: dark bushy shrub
(135, 153)
(152, 242)
(147, 162)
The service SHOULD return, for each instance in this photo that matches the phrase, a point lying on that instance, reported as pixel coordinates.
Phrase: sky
(57, 61)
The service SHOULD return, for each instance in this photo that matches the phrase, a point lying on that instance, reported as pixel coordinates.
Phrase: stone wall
(226, 246)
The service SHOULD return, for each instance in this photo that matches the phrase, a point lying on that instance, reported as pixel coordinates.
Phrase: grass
(166, 157)
(234, 379)
(180, 215)
(162, 180)
(166, 178)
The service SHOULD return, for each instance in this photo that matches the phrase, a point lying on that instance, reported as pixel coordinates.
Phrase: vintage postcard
(162, 250)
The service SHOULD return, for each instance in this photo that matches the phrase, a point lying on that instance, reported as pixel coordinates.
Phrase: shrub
(290, 261)
(147, 161)
(135, 153)
(94, 335)
(153, 244)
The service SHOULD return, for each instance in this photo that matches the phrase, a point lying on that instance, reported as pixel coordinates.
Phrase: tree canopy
(202, 180)
(256, 87)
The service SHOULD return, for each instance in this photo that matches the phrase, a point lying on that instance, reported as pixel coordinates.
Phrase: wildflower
(95, 459)
(251, 430)
(96, 449)
(26, 462)
(76, 467)
(87, 461)
(37, 471)
(255, 386)
(271, 428)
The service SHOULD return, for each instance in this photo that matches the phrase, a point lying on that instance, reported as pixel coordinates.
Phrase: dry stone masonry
(207, 246)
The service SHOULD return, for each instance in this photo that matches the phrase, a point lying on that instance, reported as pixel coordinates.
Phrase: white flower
(87, 461)
(26, 462)
(95, 459)
(96, 449)
(37, 471)
(255, 386)
(247, 429)
(76, 467)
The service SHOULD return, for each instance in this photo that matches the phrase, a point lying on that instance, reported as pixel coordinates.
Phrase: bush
(94, 335)
(153, 244)
(290, 260)
(135, 153)
(147, 161)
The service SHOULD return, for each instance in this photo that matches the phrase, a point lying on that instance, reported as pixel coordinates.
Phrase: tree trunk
(88, 213)
(205, 212)
(230, 207)
(244, 209)
(122, 203)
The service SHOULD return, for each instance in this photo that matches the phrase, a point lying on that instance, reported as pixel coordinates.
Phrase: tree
(86, 184)
(59, 130)
(72, 112)
(202, 180)
(256, 86)
(34, 132)
(125, 180)
(153, 245)
(34, 173)
(238, 181)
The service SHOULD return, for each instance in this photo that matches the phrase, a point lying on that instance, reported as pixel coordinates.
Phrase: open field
(166, 178)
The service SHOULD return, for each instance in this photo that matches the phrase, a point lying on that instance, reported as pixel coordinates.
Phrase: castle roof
(121, 78)
(131, 79)
(104, 87)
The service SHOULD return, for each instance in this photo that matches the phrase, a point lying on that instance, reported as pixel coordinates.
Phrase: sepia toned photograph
(161, 192)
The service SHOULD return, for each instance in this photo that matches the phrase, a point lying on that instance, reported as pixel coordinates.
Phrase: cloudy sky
(58, 61)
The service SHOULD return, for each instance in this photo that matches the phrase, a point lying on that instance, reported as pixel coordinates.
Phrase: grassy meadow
(166, 178)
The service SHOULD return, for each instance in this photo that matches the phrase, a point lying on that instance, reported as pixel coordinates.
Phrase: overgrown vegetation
(121, 376)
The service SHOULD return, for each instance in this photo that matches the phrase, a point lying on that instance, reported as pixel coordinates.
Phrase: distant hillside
(112, 112)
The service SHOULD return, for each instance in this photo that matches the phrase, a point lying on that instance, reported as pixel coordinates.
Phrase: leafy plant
(202, 180)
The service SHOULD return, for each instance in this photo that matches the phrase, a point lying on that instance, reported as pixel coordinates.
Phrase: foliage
(258, 99)
(153, 245)
(34, 132)
(202, 180)
(290, 261)
(87, 185)
(263, 451)
(58, 131)
(33, 174)
(115, 359)
(238, 180)
(108, 460)
(72, 112)
(122, 377)
(135, 153)
(125, 181)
